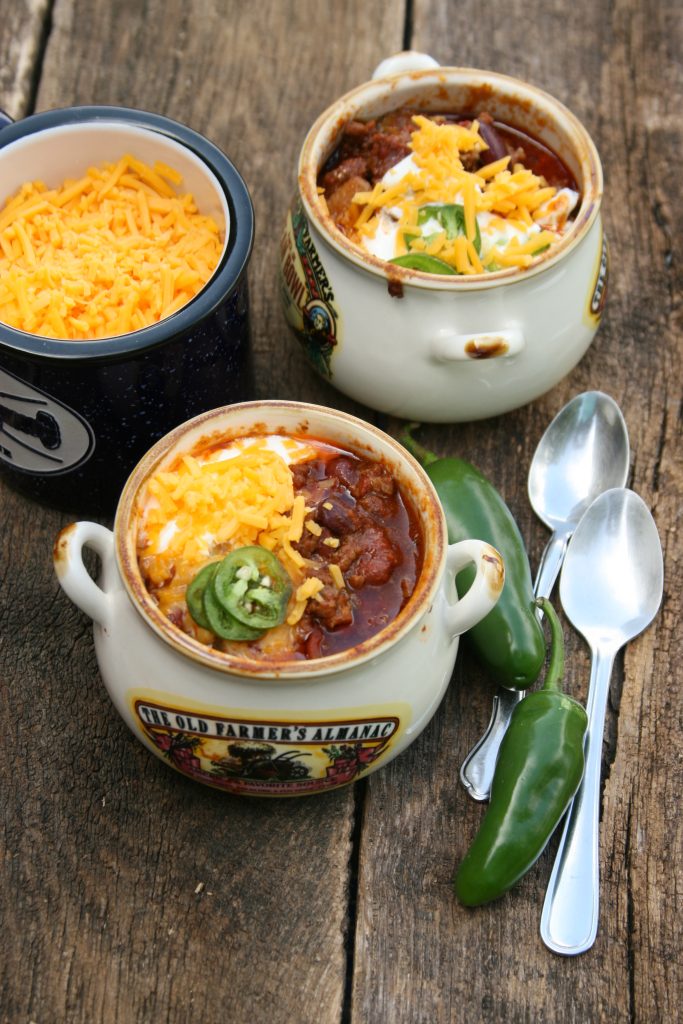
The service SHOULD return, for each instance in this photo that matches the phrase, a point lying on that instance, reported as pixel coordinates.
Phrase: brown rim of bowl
(429, 512)
(337, 114)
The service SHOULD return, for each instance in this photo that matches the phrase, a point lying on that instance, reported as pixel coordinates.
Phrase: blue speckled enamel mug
(76, 416)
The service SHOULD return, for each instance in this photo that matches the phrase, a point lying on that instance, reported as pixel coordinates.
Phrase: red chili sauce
(359, 503)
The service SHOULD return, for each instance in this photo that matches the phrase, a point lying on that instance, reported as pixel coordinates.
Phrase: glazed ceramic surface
(426, 347)
(75, 416)
(276, 728)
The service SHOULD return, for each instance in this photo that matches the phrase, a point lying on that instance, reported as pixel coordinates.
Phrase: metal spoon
(583, 452)
(611, 588)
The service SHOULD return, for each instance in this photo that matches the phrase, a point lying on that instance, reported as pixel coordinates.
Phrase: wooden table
(132, 894)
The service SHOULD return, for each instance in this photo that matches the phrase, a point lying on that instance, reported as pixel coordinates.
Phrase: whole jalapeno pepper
(508, 641)
(539, 768)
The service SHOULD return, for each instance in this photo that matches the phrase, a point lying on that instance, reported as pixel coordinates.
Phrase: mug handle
(91, 597)
(407, 60)
(5, 119)
(486, 587)
(449, 347)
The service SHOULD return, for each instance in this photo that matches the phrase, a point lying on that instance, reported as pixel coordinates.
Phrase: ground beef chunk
(353, 167)
(308, 545)
(362, 477)
(378, 506)
(364, 155)
(331, 606)
(386, 152)
(340, 202)
(305, 474)
(367, 557)
(357, 129)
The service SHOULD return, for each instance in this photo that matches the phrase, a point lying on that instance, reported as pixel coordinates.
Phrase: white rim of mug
(226, 276)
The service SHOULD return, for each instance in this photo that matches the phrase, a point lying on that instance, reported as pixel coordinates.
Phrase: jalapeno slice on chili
(194, 595)
(251, 584)
(221, 622)
(424, 262)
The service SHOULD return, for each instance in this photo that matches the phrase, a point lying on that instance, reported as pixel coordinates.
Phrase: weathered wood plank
(132, 894)
(104, 846)
(420, 956)
(22, 31)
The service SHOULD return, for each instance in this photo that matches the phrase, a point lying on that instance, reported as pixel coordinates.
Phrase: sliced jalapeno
(451, 217)
(252, 585)
(221, 622)
(194, 595)
(424, 262)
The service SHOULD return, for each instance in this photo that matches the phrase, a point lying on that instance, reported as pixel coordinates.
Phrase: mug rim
(233, 264)
(334, 116)
(431, 517)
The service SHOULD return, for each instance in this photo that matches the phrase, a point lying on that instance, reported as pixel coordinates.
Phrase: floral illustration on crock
(308, 297)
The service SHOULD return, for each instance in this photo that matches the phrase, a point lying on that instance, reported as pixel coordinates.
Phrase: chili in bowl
(443, 258)
(276, 612)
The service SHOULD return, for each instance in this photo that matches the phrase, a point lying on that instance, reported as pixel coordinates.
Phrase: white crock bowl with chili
(427, 346)
(336, 718)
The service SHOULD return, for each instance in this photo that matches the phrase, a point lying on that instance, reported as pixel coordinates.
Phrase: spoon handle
(476, 772)
(569, 921)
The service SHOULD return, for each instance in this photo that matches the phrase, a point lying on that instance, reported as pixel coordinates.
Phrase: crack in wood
(359, 793)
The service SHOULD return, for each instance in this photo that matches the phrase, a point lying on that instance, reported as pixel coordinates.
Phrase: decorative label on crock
(308, 297)
(599, 293)
(272, 756)
(37, 433)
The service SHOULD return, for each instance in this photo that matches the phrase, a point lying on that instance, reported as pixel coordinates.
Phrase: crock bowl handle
(486, 587)
(449, 347)
(407, 60)
(92, 598)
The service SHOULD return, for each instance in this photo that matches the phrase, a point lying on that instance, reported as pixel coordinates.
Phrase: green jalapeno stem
(422, 454)
(555, 669)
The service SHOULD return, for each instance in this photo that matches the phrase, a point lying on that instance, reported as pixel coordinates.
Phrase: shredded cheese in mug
(509, 215)
(113, 252)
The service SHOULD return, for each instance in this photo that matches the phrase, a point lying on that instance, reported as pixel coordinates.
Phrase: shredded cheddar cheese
(202, 507)
(337, 575)
(512, 200)
(113, 252)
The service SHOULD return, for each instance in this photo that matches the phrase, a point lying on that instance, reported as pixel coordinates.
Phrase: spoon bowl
(583, 452)
(611, 588)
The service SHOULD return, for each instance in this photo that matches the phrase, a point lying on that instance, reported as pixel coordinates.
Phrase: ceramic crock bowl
(76, 416)
(281, 728)
(425, 346)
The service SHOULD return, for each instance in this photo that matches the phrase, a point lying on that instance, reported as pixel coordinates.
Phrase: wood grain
(420, 956)
(131, 894)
